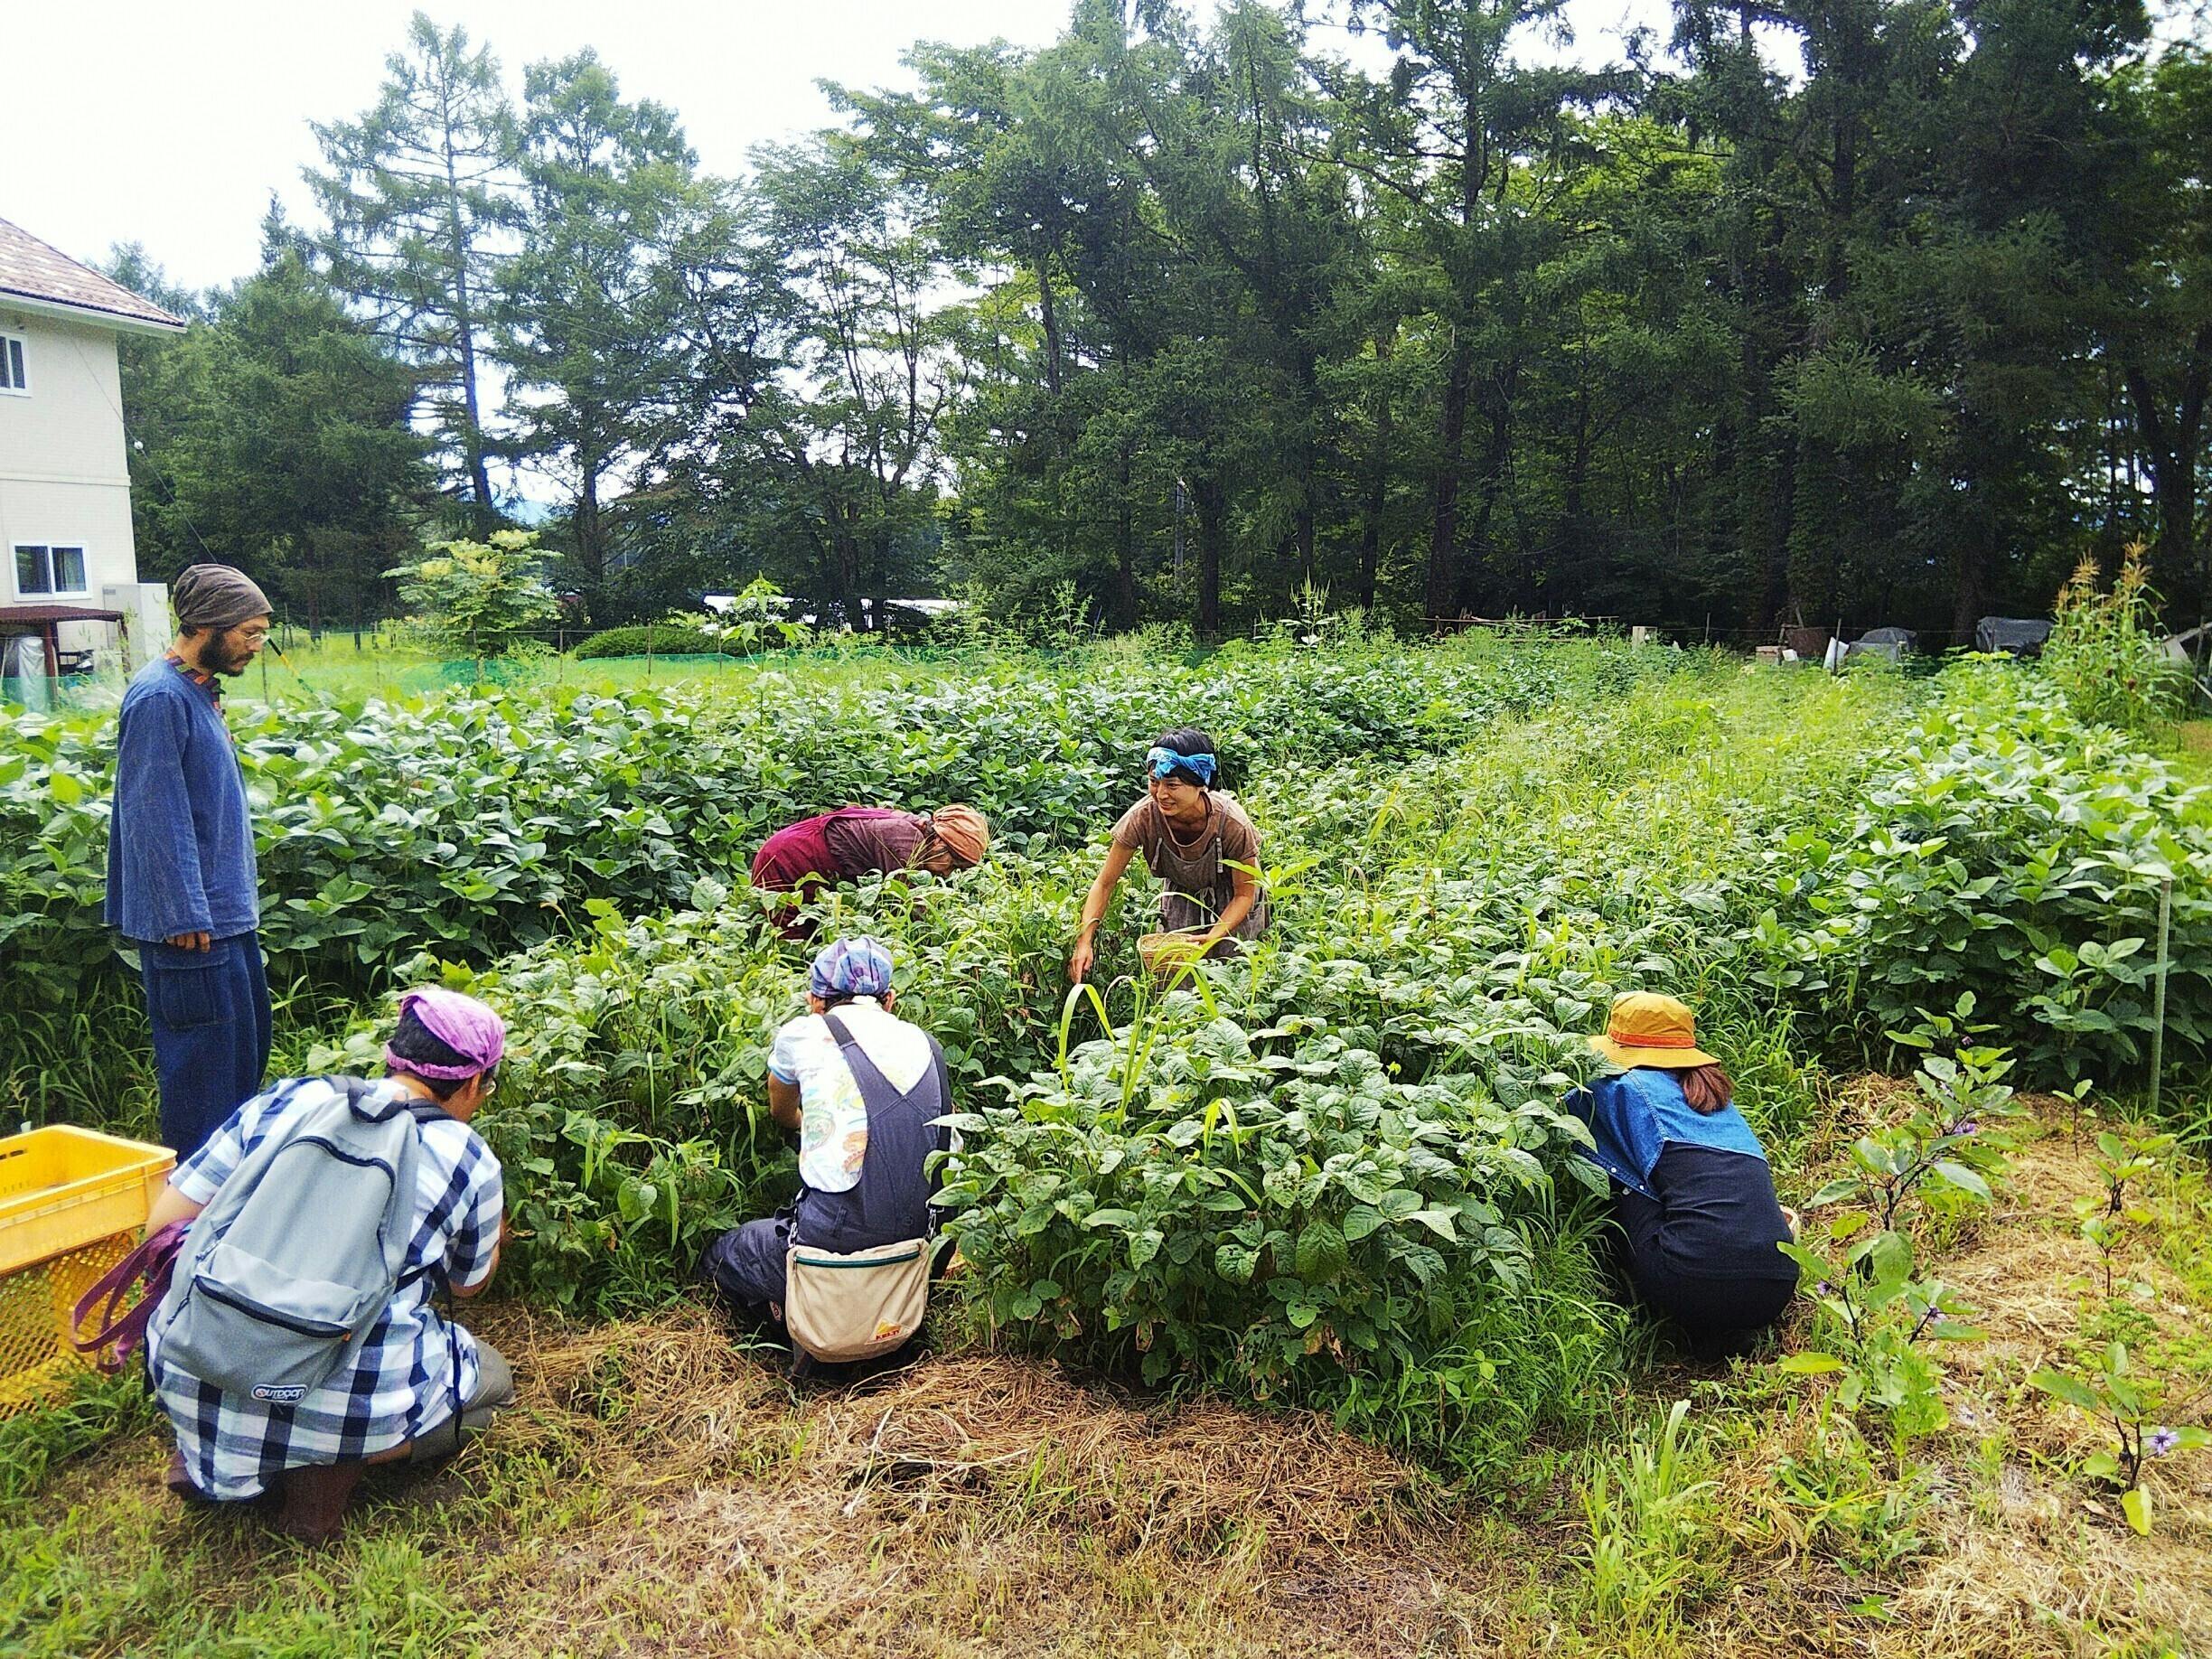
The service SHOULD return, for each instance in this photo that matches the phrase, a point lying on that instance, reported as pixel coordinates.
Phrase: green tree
(1475, 145)
(422, 197)
(838, 453)
(603, 313)
(2161, 327)
(275, 434)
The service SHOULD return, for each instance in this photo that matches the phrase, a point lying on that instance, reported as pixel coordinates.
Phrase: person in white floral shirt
(847, 1074)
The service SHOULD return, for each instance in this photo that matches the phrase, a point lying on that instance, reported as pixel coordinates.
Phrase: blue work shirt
(1633, 1116)
(180, 845)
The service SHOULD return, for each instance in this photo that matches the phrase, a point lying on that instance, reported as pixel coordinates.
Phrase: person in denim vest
(181, 876)
(1698, 1221)
(866, 1123)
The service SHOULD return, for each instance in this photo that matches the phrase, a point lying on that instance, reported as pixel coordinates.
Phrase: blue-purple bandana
(858, 967)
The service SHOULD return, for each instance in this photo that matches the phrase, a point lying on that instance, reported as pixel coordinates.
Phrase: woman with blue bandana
(1194, 837)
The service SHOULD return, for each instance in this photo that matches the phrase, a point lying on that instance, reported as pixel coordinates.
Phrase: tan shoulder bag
(857, 1307)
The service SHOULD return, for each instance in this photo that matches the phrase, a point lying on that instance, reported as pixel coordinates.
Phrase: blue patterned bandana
(851, 968)
(1164, 763)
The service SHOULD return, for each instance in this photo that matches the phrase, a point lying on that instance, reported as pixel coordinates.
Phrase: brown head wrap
(964, 832)
(217, 596)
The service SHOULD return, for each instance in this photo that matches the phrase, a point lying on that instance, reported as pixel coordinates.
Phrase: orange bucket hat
(1645, 1028)
(964, 832)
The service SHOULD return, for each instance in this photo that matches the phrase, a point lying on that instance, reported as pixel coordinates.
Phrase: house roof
(27, 614)
(40, 277)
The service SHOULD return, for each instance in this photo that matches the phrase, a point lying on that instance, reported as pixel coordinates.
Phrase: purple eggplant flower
(1821, 1289)
(1967, 1128)
(2161, 1441)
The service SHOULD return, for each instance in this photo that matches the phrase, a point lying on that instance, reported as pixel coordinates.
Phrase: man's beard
(222, 654)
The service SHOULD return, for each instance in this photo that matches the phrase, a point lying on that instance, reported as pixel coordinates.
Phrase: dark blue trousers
(748, 1264)
(210, 1010)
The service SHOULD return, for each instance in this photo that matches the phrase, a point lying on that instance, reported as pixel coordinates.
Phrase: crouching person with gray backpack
(297, 1343)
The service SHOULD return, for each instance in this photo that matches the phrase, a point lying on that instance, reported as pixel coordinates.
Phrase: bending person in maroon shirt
(855, 841)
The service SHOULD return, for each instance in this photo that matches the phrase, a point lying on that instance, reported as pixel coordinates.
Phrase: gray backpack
(281, 1277)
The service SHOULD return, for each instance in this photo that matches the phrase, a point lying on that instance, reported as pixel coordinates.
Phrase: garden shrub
(478, 599)
(2012, 852)
(631, 1118)
(1281, 1217)
(657, 638)
(2107, 654)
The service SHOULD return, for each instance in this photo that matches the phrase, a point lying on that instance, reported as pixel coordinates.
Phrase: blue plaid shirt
(415, 1369)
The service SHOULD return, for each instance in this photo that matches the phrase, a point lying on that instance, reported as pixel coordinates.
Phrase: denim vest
(890, 1201)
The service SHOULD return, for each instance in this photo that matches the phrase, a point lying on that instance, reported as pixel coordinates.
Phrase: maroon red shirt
(841, 846)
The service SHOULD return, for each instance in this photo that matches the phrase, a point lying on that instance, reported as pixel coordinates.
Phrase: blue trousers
(747, 1264)
(210, 1010)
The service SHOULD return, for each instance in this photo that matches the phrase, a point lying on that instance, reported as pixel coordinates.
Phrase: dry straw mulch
(971, 1503)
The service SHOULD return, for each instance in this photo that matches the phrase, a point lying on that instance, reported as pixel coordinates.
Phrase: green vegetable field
(1284, 1325)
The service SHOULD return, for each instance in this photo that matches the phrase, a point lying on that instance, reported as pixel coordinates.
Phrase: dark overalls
(890, 1202)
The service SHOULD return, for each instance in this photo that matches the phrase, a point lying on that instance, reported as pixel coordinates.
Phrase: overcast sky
(169, 124)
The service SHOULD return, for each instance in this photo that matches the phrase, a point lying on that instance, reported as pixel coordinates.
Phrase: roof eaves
(158, 322)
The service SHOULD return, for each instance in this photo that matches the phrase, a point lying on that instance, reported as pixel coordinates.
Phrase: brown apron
(1200, 885)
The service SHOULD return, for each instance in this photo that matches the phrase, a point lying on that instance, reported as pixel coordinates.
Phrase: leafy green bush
(2012, 852)
(631, 1118)
(478, 599)
(659, 640)
(1275, 1215)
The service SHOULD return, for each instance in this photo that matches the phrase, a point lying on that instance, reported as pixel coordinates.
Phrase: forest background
(1848, 311)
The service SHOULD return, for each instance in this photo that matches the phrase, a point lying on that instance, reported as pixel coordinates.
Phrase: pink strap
(153, 1262)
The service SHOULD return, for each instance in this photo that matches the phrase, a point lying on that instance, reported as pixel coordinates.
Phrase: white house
(65, 517)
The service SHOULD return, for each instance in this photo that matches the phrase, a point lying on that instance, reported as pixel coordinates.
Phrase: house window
(43, 569)
(12, 376)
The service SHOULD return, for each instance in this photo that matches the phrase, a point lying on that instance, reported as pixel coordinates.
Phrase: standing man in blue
(180, 885)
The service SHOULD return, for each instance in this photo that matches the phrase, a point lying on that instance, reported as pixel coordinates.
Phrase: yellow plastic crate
(71, 1203)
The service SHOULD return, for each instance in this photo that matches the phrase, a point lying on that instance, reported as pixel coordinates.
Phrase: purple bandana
(462, 1023)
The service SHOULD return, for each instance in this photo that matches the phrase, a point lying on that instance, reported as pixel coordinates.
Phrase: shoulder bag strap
(118, 1334)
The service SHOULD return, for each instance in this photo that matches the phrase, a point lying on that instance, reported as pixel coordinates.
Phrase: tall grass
(1655, 1549)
